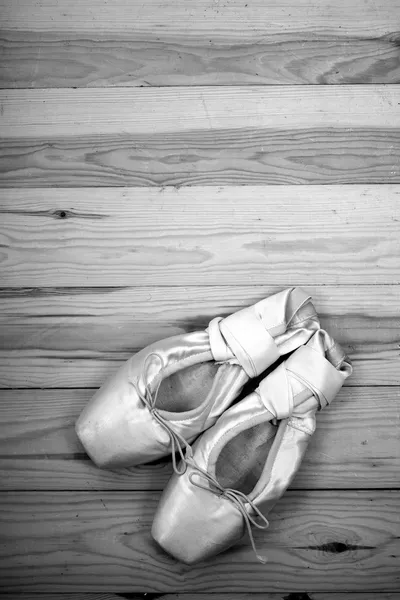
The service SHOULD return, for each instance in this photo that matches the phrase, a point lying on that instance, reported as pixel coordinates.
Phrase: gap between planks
(367, 595)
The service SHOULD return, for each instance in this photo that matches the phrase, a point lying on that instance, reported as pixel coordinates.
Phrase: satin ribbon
(248, 335)
(317, 373)
(276, 393)
(245, 338)
(312, 370)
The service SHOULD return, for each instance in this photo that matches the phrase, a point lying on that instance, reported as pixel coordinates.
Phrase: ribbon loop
(276, 393)
(219, 347)
(248, 335)
(244, 337)
(312, 371)
(317, 373)
(250, 341)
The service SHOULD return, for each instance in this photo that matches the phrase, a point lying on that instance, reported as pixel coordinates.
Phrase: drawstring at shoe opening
(239, 500)
(178, 443)
(182, 447)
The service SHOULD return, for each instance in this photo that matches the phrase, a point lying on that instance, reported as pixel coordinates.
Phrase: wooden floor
(161, 163)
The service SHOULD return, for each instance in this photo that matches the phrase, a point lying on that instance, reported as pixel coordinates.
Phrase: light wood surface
(204, 236)
(200, 136)
(55, 113)
(162, 163)
(282, 18)
(356, 445)
(313, 536)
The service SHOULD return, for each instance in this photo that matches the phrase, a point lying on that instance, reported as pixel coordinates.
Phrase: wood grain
(159, 58)
(75, 337)
(201, 236)
(355, 445)
(72, 541)
(319, 155)
(199, 596)
(377, 365)
(206, 596)
(58, 113)
(358, 18)
(89, 276)
(200, 136)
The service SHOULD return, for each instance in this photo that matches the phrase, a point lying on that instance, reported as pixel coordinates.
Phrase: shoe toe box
(193, 524)
(117, 430)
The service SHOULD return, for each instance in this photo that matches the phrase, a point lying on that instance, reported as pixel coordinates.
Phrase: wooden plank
(200, 136)
(251, 156)
(75, 337)
(159, 58)
(61, 113)
(83, 542)
(355, 445)
(201, 596)
(376, 365)
(197, 236)
(268, 17)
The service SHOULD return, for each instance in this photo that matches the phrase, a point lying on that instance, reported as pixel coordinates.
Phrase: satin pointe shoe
(163, 397)
(242, 465)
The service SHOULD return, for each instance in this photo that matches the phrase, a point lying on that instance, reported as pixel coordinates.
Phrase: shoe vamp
(193, 524)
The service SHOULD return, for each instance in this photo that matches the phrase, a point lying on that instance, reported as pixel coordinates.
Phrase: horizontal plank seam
(183, 87)
(152, 490)
(320, 184)
(192, 285)
(241, 84)
(176, 595)
(69, 389)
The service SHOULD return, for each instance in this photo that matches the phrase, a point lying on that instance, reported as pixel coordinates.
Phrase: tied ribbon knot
(243, 337)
